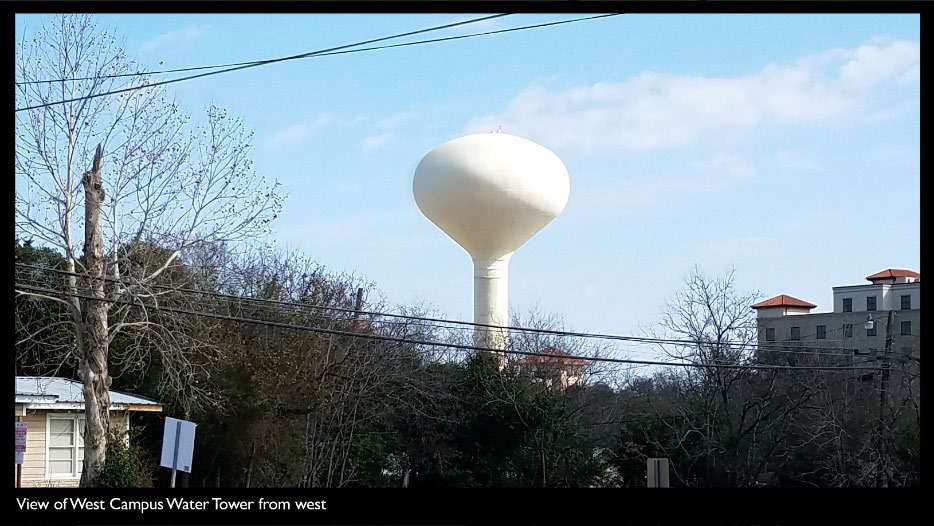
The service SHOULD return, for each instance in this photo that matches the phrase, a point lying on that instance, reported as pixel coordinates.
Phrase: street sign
(178, 444)
(19, 441)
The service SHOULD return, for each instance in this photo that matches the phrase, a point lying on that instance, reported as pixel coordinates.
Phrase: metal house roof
(53, 390)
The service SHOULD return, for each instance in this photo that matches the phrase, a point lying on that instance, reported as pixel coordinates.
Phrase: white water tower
(491, 192)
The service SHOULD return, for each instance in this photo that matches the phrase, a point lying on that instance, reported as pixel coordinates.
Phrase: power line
(329, 53)
(324, 52)
(28, 288)
(635, 339)
(268, 61)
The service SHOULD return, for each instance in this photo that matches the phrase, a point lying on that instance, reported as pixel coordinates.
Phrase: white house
(53, 410)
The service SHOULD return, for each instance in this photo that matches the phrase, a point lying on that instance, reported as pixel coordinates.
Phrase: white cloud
(300, 132)
(732, 167)
(870, 63)
(385, 130)
(654, 110)
(177, 40)
(721, 173)
(375, 142)
(797, 161)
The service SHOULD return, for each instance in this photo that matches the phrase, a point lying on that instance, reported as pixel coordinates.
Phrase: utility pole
(358, 303)
(880, 481)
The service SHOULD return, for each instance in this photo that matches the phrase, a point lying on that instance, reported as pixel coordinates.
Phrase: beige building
(53, 410)
(559, 370)
(863, 317)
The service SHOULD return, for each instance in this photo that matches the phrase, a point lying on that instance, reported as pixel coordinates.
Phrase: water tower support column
(491, 301)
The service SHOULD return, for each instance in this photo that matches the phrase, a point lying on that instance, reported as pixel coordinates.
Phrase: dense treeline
(280, 407)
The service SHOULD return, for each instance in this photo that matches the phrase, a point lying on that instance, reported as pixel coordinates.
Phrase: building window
(65, 447)
(906, 328)
(796, 333)
(872, 331)
(821, 332)
(906, 302)
(847, 330)
(870, 303)
(847, 304)
(770, 334)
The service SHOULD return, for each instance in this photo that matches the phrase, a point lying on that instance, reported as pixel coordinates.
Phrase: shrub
(126, 465)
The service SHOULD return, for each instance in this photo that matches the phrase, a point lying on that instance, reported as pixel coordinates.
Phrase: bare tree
(726, 404)
(139, 176)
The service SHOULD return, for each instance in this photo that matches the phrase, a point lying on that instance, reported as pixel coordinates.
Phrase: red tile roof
(360, 324)
(784, 300)
(890, 273)
(558, 358)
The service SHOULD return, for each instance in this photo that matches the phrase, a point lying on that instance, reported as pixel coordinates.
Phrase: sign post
(19, 435)
(657, 476)
(178, 443)
(178, 435)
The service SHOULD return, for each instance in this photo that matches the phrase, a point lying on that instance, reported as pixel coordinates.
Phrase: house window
(821, 332)
(870, 303)
(770, 334)
(906, 328)
(906, 302)
(65, 446)
(872, 331)
(847, 304)
(796, 333)
(847, 330)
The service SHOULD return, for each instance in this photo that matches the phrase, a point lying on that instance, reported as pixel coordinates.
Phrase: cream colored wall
(34, 474)
(34, 458)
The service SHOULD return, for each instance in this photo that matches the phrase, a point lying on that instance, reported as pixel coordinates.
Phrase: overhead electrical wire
(28, 288)
(635, 339)
(466, 324)
(324, 52)
(268, 61)
(329, 53)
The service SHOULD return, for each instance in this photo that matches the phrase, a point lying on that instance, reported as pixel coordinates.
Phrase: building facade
(868, 321)
(558, 370)
(52, 409)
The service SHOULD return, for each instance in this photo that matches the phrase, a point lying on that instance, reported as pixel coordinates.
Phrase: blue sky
(786, 146)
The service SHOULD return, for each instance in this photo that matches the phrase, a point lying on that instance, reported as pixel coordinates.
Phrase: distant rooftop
(56, 390)
(892, 273)
(559, 357)
(784, 300)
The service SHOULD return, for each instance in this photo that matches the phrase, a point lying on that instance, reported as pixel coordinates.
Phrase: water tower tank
(491, 192)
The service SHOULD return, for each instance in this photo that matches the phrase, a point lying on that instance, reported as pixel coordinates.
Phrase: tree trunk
(93, 362)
